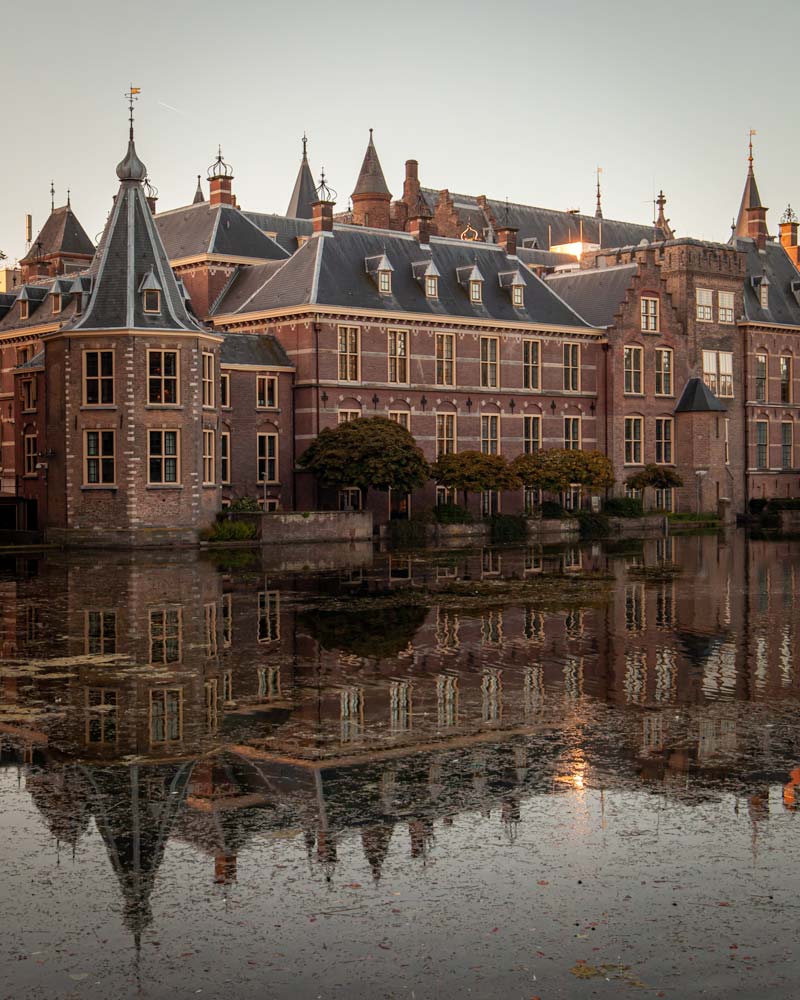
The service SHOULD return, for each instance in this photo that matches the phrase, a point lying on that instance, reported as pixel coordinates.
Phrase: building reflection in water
(256, 699)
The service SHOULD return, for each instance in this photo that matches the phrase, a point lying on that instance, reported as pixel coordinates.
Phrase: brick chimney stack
(788, 230)
(420, 228)
(220, 178)
(411, 187)
(322, 216)
(507, 239)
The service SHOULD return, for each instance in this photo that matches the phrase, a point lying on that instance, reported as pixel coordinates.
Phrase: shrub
(245, 505)
(509, 528)
(623, 507)
(756, 506)
(232, 531)
(788, 503)
(552, 510)
(451, 513)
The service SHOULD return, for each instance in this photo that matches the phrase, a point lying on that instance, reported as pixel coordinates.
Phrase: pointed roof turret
(752, 218)
(598, 212)
(662, 222)
(199, 197)
(131, 264)
(371, 179)
(61, 236)
(304, 194)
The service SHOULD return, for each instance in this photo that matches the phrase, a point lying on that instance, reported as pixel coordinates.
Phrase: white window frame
(532, 365)
(649, 311)
(490, 362)
(269, 438)
(397, 349)
(633, 366)
(704, 305)
(664, 376)
(632, 443)
(490, 433)
(445, 366)
(349, 353)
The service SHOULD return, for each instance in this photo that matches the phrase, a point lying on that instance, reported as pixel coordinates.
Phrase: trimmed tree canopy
(659, 477)
(369, 453)
(473, 472)
(555, 469)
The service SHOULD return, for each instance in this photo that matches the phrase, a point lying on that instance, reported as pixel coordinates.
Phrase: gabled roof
(370, 178)
(131, 250)
(257, 350)
(245, 284)
(547, 226)
(61, 234)
(698, 398)
(287, 232)
(202, 229)
(329, 270)
(304, 193)
(783, 280)
(594, 293)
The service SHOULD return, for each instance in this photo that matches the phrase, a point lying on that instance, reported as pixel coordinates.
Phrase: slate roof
(331, 270)
(547, 226)
(201, 229)
(245, 283)
(256, 349)
(543, 258)
(39, 304)
(304, 193)
(698, 398)
(370, 178)
(129, 250)
(784, 284)
(596, 293)
(286, 230)
(750, 199)
(61, 234)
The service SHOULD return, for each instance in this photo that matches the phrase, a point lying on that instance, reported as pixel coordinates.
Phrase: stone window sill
(94, 487)
(163, 406)
(164, 486)
(91, 407)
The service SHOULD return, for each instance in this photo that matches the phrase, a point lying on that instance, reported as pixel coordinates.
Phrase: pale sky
(520, 99)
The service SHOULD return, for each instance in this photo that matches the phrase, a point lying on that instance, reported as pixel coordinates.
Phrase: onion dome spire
(131, 168)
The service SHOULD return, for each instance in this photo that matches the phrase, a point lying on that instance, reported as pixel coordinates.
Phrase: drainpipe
(316, 362)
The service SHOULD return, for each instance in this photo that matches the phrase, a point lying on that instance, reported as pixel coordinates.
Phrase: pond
(346, 772)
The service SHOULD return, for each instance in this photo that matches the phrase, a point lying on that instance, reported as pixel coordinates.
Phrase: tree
(474, 472)
(658, 477)
(369, 453)
(556, 469)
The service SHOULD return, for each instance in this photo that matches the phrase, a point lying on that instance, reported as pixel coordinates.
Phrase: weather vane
(750, 135)
(130, 97)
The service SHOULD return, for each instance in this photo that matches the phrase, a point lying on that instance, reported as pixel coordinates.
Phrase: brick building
(191, 358)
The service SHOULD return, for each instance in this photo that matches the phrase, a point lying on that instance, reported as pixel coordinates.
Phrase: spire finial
(130, 97)
(370, 135)
(750, 135)
(52, 196)
(68, 199)
(324, 191)
(598, 212)
(305, 144)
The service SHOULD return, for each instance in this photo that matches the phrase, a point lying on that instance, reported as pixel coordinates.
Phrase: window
(445, 495)
(447, 684)
(705, 299)
(490, 503)
(345, 416)
(762, 443)
(210, 629)
(269, 623)
(786, 445)
(445, 434)
(100, 458)
(166, 635)
(166, 715)
(531, 498)
(432, 286)
(266, 392)
(476, 291)
(663, 372)
(56, 303)
(224, 390)
(163, 457)
(532, 434)
(208, 379)
(23, 355)
(400, 706)
(350, 498)
(402, 417)
(490, 434)
(267, 464)
(27, 391)
(761, 378)
(225, 457)
(649, 314)
(718, 372)
(31, 447)
(489, 352)
(763, 294)
(786, 379)
(101, 715)
(98, 378)
(571, 500)
(665, 499)
(572, 433)
(518, 295)
(445, 358)
(385, 282)
(664, 437)
(162, 381)
(269, 683)
(100, 632)
(530, 364)
(24, 309)
(572, 372)
(349, 337)
(633, 370)
(209, 477)
(633, 440)
(398, 356)
(152, 300)
(725, 307)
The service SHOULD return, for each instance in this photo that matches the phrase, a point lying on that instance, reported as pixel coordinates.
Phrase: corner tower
(371, 196)
(752, 219)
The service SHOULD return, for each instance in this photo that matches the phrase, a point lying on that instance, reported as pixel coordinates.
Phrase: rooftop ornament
(469, 235)
(131, 167)
(219, 168)
(150, 189)
(323, 190)
(789, 215)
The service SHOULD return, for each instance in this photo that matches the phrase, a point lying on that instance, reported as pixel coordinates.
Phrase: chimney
(420, 228)
(220, 178)
(411, 189)
(322, 216)
(788, 229)
(507, 239)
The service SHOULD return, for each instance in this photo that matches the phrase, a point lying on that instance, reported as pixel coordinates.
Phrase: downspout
(316, 363)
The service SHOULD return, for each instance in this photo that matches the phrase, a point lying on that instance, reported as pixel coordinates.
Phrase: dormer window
(152, 301)
(518, 295)
(476, 291)
(380, 270)
(763, 294)
(56, 303)
(432, 287)
(385, 282)
(471, 279)
(23, 309)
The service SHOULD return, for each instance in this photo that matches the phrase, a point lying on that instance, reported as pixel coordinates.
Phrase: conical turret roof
(304, 193)
(371, 179)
